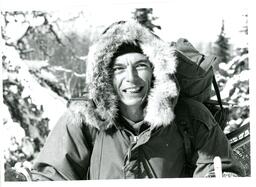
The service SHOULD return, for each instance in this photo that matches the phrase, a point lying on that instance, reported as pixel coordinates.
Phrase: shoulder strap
(185, 129)
(217, 91)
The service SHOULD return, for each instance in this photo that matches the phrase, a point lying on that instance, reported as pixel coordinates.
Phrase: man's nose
(131, 73)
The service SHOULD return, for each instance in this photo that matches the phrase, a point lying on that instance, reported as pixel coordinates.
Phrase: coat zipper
(134, 141)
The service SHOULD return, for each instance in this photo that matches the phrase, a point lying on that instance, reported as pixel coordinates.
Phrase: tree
(222, 49)
(144, 17)
(39, 36)
(34, 94)
(234, 77)
(244, 49)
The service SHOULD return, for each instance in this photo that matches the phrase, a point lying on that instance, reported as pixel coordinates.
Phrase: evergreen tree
(233, 79)
(144, 17)
(244, 49)
(222, 49)
(245, 27)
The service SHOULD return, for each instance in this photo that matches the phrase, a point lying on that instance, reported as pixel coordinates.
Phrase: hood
(101, 109)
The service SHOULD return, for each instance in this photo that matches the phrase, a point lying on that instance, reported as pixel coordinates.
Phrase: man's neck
(135, 127)
(133, 113)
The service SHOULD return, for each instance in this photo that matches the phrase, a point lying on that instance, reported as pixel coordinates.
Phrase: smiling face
(132, 76)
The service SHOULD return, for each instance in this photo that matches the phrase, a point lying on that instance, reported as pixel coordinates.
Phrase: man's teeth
(132, 90)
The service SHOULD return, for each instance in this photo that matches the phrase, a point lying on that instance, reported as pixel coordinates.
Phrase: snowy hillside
(30, 105)
(43, 62)
(233, 79)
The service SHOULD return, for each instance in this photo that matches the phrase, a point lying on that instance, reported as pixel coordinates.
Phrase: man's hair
(127, 48)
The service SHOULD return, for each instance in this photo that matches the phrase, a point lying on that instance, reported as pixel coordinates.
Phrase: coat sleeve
(210, 142)
(66, 153)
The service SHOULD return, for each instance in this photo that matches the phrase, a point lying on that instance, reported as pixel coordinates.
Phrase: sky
(197, 20)
(196, 24)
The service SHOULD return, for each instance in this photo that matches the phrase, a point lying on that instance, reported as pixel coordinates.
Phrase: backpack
(195, 76)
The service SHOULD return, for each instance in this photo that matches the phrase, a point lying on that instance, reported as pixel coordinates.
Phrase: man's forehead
(131, 58)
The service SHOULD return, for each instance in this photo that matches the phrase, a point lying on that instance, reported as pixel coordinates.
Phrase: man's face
(132, 75)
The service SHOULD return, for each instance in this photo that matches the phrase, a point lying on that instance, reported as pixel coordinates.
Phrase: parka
(92, 140)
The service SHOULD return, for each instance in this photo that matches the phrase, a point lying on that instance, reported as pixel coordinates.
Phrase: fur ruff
(163, 95)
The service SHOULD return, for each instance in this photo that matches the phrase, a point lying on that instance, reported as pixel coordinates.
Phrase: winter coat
(93, 141)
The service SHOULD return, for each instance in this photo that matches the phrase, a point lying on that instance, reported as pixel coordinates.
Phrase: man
(126, 126)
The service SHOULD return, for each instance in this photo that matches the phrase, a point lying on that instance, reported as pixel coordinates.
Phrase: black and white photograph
(125, 90)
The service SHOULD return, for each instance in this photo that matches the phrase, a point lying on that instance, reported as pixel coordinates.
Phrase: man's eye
(118, 68)
(142, 66)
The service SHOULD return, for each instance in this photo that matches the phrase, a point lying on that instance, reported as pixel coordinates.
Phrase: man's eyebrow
(118, 64)
(146, 61)
(142, 60)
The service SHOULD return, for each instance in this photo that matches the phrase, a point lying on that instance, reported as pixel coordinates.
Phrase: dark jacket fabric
(93, 141)
(79, 152)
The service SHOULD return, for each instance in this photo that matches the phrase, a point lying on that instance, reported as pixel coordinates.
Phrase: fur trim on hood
(102, 109)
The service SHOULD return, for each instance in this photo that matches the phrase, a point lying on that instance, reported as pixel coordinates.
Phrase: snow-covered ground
(16, 144)
(53, 105)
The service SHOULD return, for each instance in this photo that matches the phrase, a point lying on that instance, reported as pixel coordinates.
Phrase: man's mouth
(133, 89)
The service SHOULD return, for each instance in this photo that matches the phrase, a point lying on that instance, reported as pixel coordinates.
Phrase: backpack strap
(217, 91)
(220, 113)
(185, 129)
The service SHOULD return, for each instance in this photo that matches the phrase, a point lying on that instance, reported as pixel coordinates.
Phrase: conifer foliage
(233, 80)
(222, 48)
(145, 17)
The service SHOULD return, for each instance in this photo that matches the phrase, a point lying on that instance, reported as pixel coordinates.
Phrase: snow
(12, 130)
(59, 68)
(235, 61)
(16, 144)
(231, 83)
(53, 104)
(36, 64)
(18, 25)
(15, 30)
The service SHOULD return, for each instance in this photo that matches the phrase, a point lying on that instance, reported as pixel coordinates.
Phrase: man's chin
(134, 103)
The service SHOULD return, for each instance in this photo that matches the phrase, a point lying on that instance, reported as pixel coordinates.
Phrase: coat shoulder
(193, 111)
